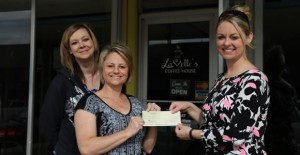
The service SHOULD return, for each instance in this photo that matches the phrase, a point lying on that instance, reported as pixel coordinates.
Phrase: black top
(57, 113)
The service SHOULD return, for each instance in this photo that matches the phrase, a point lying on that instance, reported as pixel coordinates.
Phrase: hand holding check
(161, 118)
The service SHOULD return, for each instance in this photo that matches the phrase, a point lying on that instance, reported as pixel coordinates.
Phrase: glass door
(178, 61)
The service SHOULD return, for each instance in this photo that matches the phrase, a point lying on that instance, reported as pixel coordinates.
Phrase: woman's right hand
(179, 106)
(135, 125)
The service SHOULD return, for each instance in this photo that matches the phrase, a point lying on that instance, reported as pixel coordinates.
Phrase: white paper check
(161, 118)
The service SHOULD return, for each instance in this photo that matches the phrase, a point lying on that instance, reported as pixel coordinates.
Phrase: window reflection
(14, 79)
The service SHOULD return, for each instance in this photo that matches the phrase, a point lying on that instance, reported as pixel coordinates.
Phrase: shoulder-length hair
(67, 59)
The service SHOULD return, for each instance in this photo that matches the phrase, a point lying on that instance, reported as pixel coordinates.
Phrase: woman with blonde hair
(109, 121)
(233, 117)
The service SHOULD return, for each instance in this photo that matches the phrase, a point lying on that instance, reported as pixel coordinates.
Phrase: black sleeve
(82, 102)
(53, 109)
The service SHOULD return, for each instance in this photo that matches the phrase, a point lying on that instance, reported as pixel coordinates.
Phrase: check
(161, 118)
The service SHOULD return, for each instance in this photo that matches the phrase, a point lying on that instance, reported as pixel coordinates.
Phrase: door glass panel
(14, 80)
(178, 57)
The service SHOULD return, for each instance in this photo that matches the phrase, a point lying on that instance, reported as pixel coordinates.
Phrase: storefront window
(14, 80)
(281, 38)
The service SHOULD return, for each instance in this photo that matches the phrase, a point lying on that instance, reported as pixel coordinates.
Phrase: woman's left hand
(153, 107)
(182, 132)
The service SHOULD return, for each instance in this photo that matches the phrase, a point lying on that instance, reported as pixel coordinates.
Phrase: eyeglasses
(234, 13)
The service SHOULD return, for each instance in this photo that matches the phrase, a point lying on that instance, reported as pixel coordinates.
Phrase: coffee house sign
(179, 64)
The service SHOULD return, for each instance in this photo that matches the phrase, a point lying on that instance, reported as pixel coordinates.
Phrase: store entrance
(178, 61)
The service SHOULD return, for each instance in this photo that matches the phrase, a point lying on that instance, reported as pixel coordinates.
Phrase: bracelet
(191, 136)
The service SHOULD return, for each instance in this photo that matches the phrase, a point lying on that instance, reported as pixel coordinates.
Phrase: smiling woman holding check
(233, 116)
(109, 121)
